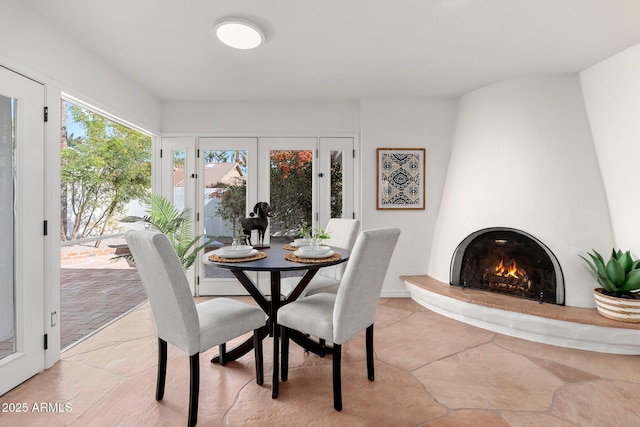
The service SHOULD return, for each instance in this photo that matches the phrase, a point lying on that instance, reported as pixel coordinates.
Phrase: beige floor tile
(424, 337)
(493, 378)
(429, 371)
(602, 403)
(78, 385)
(395, 398)
(604, 365)
(533, 419)
(470, 418)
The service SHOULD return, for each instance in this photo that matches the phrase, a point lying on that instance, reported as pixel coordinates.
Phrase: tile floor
(430, 371)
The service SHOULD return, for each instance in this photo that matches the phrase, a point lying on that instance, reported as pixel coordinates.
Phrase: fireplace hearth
(508, 261)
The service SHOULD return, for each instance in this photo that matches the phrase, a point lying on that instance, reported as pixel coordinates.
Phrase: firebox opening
(508, 261)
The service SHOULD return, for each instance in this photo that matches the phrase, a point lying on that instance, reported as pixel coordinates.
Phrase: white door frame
(187, 145)
(226, 286)
(29, 356)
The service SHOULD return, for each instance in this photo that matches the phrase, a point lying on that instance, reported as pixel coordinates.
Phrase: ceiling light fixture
(238, 33)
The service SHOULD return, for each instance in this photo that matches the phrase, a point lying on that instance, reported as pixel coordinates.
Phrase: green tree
(101, 172)
(291, 184)
(232, 207)
(336, 187)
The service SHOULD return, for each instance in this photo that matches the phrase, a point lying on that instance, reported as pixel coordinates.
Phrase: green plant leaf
(606, 284)
(176, 225)
(615, 272)
(626, 261)
(616, 254)
(632, 281)
(599, 262)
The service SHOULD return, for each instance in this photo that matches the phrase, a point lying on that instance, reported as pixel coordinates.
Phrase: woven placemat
(296, 258)
(289, 248)
(218, 258)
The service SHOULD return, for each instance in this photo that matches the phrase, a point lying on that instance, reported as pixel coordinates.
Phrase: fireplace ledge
(574, 327)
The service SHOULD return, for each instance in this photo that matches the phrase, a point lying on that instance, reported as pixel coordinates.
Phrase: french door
(21, 221)
(303, 179)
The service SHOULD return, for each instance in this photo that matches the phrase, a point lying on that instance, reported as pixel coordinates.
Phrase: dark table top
(275, 261)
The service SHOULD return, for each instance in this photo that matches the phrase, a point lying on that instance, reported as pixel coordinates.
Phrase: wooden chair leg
(337, 377)
(222, 350)
(257, 348)
(194, 390)
(162, 368)
(323, 347)
(284, 355)
(369, 344)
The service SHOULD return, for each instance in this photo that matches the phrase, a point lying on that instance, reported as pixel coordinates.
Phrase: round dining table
(275, 262)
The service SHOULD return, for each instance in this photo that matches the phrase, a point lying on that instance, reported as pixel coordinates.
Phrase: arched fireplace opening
(508, 261)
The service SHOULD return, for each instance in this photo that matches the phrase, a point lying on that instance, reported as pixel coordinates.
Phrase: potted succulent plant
(618, 297)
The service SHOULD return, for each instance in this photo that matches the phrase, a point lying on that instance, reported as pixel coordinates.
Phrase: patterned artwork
(401, 178)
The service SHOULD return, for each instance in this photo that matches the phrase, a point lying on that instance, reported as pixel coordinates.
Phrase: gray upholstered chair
(342, 234)
(338, 317)
(179, 321)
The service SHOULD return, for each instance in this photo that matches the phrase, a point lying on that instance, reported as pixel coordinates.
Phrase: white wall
(261, 118)
(380, 123)
(32, 42)
(523, 157)
(612, 97)
(406, 123)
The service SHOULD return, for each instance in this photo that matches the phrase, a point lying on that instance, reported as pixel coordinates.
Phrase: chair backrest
(359, 291)
(163, 277)
(342, 234)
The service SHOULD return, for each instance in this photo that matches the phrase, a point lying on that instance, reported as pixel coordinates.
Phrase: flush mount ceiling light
(238, 33)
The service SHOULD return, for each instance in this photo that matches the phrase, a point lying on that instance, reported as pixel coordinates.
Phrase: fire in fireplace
(508, 261)
(507, 277)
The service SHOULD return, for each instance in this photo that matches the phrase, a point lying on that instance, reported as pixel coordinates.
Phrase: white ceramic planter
(622, 309)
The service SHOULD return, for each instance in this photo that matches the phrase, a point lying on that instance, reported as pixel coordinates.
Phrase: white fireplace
(523, 158)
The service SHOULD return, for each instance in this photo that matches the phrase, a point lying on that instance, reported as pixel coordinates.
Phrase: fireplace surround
(522, 156)
(508, 261)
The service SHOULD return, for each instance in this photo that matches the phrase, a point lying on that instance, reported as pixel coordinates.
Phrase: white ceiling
(345, 49)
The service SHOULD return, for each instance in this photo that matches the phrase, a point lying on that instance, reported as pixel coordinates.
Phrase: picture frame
(400, 181)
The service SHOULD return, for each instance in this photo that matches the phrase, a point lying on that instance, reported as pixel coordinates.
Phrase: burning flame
(509, 270)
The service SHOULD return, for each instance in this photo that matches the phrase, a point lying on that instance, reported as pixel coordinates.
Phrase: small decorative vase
(622, 309)
(315, 242)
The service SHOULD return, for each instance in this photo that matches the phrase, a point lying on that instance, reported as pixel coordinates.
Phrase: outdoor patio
(95, 290)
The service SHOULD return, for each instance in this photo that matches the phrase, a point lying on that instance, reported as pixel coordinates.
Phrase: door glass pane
(179, 180)
(336, 184)
(7, 242)
(225, 199)
(291, 189)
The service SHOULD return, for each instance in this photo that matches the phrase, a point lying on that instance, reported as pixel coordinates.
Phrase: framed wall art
(401, 178)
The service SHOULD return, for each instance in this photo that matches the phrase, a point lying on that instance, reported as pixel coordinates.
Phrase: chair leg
(194, 389)
(276, 361)
(284, 355)
(162, 368)
(323, 346)
(369, 344)
(257, 348)
(222, 350)
(337, 377)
